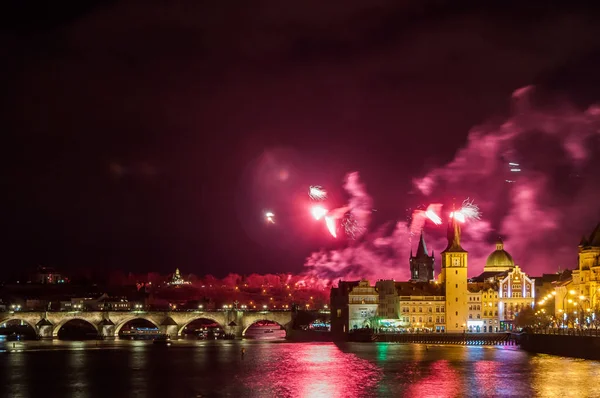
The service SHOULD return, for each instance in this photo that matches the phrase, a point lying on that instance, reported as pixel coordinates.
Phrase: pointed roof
(594, 237)
(453, 237)
(422, 249)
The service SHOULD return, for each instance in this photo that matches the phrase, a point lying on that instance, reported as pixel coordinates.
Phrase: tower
(421, 265)
(454, 280)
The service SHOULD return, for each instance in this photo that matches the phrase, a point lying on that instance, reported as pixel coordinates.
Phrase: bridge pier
(106, 329)
(44, 329)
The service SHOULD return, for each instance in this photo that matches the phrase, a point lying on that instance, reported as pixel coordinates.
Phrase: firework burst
(351, 226)
(318, 212)
(470, 210)
(270, 217)
(317, 192)
(330, 222)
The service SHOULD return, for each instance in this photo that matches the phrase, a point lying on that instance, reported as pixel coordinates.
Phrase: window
(456, 313)
(456, 272)
(420, 319)
(457, 285)
(430, 319)
(339, 313)
(420, 309)
(437, 319)
(457, 299)
(478, 316)
(470, 316)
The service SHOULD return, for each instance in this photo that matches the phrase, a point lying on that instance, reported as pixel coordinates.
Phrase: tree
(525, 317)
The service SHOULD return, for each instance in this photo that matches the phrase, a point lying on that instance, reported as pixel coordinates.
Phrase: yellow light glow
(572, 292)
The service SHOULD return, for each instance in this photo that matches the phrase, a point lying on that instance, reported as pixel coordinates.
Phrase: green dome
(499, 257)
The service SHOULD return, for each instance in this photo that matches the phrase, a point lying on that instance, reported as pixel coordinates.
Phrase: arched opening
(16, 330)
(203, 329)
(138, 329)
(77, 329)
(265, 330)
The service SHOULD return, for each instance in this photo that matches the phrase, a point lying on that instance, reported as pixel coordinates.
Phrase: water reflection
(217, 368)
(314, 370)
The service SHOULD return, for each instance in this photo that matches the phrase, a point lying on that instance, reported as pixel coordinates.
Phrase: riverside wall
(586, 347)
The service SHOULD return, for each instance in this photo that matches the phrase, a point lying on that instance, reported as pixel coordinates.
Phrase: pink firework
(318, 212)
(330, 222)
(432, 213)
(458, 216)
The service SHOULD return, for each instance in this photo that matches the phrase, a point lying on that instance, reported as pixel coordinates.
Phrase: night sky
(150, 135)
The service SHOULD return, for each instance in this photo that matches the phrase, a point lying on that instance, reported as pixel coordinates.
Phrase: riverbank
(585, 347)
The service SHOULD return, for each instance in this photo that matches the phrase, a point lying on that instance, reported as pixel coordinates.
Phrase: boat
(162, 340)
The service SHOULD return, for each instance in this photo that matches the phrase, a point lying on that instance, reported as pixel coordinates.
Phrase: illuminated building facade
(411, 306)
(579, 297)
(363, 302)
(453, 279)
(487, 303)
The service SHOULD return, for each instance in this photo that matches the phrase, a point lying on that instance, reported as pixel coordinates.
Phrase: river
(279, 369)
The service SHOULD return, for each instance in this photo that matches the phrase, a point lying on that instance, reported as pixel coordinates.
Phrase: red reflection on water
(487, 378)
(310, 370)
(442, 381)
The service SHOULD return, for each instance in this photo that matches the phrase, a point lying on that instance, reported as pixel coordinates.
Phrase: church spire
(422, 249)
(453, 234)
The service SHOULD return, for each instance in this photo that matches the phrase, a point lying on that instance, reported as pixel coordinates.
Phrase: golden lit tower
(454, 280)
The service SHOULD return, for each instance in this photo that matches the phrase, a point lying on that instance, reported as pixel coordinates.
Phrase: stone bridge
(109, 323)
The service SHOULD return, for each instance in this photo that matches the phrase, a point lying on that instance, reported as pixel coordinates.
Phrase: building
(363, 302)
(586, 278)
(500, 260)
(422, 265)
(577, 298)
(484, 304)
(410, 306)
(338, 300)
(177, 279)
(47, 275)
(453, 279)
(517, 291)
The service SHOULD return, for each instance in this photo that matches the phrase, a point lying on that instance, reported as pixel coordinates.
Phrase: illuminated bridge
(109, 323)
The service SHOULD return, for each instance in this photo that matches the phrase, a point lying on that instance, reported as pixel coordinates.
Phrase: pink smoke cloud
(533, 175)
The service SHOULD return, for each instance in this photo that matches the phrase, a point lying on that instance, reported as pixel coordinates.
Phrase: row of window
(420, 309)
(438, 319)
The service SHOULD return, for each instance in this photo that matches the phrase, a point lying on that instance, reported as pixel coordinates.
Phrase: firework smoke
(317, 192)
(420, 216)
(546, 207)
(355, 216)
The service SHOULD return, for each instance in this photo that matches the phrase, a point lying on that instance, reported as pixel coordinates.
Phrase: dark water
(279, 369)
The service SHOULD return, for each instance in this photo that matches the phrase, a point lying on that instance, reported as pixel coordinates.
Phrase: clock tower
(454, 280)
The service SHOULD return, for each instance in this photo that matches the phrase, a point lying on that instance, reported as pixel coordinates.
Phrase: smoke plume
(534, 176)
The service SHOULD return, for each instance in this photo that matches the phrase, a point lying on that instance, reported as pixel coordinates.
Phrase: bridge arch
(258, 320)
(198, 318)
(124, 321)
(16, 318)
(62, 323)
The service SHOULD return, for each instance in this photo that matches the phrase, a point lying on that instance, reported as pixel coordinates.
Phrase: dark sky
(149, 135)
